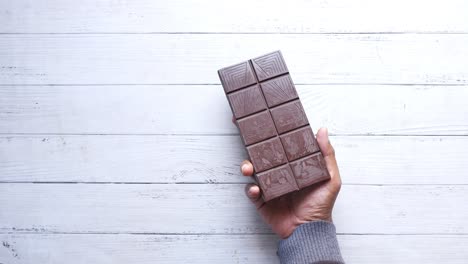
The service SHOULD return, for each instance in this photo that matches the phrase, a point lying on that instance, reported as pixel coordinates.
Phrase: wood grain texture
(126, 109)
(220, 209)
(298, 16)
(148, 249)
(195, 58)
(216, 159)
(87, 92)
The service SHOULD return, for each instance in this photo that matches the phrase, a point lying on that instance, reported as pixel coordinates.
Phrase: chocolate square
(289, 116)
(256, 128)
(247, 101)
(299, 143)
(269, 65)
(279, 90)
(310, 170)
(267, 154)
(237, 76)
(276, 182)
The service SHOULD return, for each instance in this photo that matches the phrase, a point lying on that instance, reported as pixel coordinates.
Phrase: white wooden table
(116, 144)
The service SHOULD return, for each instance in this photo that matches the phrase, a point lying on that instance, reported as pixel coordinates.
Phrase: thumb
(324, 143)
(329, 155)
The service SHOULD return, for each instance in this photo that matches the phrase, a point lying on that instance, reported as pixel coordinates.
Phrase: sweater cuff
(313, 242)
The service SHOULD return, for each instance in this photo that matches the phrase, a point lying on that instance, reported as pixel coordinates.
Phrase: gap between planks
(376, 58)
(219, 183)
(243, 33)
(175, 17)
(222, 209)
(47, 232)
(219, 134)
(218, 84)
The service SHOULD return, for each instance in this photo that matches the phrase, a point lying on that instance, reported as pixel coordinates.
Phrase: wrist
(306, 220)
(315, 218)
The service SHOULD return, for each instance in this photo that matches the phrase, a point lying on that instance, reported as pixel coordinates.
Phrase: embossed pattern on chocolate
(247, 101)
(276, 182)
(273, 125)
(299, 143)
(279, 90)
(267, 154)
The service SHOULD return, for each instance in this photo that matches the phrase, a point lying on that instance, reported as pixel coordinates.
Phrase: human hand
(313, 203)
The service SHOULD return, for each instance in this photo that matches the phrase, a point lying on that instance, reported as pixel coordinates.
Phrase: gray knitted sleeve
(311, 243)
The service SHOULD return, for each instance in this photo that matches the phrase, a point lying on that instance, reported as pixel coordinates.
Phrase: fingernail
(244, 167)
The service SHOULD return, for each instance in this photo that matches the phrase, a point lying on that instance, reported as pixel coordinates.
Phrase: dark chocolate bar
(273, 125)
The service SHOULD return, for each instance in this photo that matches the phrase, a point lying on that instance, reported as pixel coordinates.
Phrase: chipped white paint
(199, 159)
(195, 58)
(245, 249)
(295, 16)
(220, 209)
(344, 109)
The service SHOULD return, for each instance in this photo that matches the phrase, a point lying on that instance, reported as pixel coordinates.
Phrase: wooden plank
(195, 58)
(297, 16)
(216, 159)
(123, 248)
(203, 109)
(220, 209)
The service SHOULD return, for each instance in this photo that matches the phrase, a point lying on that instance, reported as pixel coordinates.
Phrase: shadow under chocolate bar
(273, 125)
